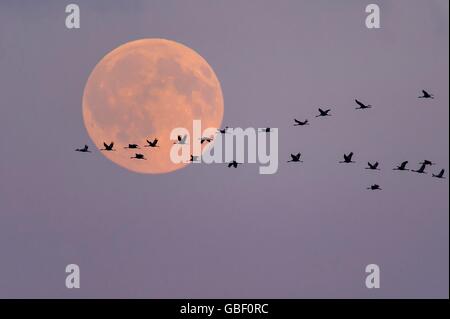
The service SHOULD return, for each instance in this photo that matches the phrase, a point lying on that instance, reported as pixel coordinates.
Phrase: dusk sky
(208, 231)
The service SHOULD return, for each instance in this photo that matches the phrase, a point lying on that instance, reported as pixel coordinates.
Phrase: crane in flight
(181, 140)
(152, 143)
(301, 123)
(206, 139)
(139, 156)
(223, 131)
(373, 166)
(132, 146)
(402, 167)
(362, 106)
(85, 149)
(421, 170)
(108, 147)
(440, 174)
(427, 162)
(323, 112)
(374, 187)
(194, 158)
(295, 158)
(348, 158)
(426, 95)
(234, 164)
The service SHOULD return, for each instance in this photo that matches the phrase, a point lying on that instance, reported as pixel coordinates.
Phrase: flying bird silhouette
(206, 139)
(348, 158)
(427, 162)
(323, 112)
(152, 143)
(108, 147)
(362, 106)
(181, 139)
(402, 167)
(375, 187)
(234, 164)
(134, 146)
(426, 95)
(421, 170)
(440, 174)
(300, 123)
(85, 149)
(223, 131)
(373, 166)
(295, 158)
(194, 158)
(139, 156)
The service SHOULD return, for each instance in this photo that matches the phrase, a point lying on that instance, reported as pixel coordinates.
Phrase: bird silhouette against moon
(141, 91)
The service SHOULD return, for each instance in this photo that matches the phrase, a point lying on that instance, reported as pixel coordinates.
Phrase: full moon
(141, 91)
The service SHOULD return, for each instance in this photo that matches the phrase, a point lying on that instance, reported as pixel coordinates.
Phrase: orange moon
(142, 90)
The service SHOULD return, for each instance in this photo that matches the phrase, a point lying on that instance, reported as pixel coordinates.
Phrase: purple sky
(208, 231)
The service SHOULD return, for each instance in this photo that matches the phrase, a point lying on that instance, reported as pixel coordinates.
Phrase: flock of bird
(295, 158)
(150, 143)
(370, 166)
(110, 147)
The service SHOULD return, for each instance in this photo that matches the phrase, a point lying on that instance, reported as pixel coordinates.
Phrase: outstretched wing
(348, 157)
(105, 145)
(359, 103)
